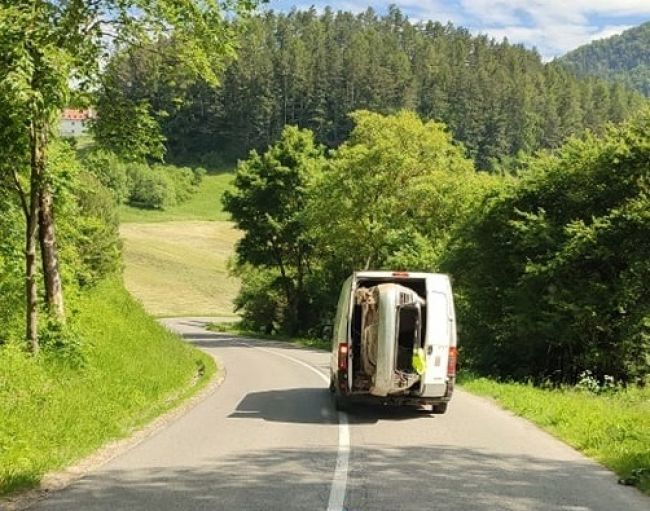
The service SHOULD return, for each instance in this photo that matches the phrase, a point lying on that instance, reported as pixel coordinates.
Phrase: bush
(260, 300)
(150, 187)
(552, 271)
(98, 238)
(110, 171)
(142, 185)
(185, 181)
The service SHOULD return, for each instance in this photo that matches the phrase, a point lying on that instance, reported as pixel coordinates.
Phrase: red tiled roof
(71, 114)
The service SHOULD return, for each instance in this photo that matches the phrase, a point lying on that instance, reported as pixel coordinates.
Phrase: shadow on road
(457, 479)
(314, 406)
(299, 405)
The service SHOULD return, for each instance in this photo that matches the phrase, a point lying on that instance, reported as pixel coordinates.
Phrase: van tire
(439, 409)
(340, 403)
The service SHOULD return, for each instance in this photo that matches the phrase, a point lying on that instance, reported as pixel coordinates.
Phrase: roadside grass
(613, 428)
(52, 414)
(180, 268)
(204, 205)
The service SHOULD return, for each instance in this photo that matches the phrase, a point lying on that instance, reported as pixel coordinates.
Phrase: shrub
(552, 272)
(98, 243)
(260, 301)
(150, 187)
(110, 171)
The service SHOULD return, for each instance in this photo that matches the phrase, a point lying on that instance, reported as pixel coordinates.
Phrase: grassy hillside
(205, 205)
(52, 414)
(179, 268)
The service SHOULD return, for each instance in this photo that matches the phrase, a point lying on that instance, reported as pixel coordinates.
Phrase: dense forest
(312, 70)
(623, 58)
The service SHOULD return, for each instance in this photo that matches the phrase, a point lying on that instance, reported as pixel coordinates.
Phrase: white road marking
(340, 480)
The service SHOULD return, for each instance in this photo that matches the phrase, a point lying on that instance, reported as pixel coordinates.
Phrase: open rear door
(437, 344)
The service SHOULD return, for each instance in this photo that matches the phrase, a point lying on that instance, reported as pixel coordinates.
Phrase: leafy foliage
(142, 185)
(390, 195)
(129, 130)
(268, 204)
(88, 234)
(549, 266)
(551, 270)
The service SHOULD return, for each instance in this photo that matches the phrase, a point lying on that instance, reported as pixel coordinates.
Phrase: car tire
(439, 408)
(340, 403)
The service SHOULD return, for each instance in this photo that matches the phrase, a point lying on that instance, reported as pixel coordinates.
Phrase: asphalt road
(269, 439)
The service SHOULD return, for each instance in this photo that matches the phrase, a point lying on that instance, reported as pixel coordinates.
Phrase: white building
(74, 122)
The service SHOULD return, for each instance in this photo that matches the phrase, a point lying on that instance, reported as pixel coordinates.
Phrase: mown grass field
(611, 428)
(180, 268)
(205, 205)
(52, 414)
(176, 260)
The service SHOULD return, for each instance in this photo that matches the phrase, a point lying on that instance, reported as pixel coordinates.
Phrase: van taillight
(343, 357)
(451, 361)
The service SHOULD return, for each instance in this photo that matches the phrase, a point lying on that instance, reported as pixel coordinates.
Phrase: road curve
(268, 439)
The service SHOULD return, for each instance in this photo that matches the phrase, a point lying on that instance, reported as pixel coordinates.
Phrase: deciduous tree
(48, 45)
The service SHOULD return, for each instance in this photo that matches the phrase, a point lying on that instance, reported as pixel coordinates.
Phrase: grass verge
(612, 428)
(180, 268)
(205, 205)
(52, 414)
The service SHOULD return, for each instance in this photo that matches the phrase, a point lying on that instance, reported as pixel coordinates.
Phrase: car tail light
(451, 361)
(343, 357)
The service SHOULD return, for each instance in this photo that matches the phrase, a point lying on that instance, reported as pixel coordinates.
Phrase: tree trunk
(49, 254)
(31, 285)
(31, 228)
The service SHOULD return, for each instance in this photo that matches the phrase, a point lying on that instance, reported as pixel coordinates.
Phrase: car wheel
(439, 409)
(340, 403)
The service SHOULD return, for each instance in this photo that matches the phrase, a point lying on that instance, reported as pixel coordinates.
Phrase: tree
(551, 270)
(312, 70)
(45, 46)
(126, 125)
(268, 204)
(397, 187)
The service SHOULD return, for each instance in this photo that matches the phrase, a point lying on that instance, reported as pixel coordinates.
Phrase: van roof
(403, 274)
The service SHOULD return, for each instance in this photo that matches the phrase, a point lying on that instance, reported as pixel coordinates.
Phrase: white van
(394, 340)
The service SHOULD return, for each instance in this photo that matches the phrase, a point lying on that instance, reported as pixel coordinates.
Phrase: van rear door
(438, 339)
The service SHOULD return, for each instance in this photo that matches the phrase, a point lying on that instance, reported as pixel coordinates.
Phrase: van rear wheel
(439, 409)
(340, 403)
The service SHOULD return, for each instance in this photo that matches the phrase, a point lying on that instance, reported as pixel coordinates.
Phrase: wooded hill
(623, 58)
(312, 70)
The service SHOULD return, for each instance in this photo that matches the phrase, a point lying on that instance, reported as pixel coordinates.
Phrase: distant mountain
(623, 58)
